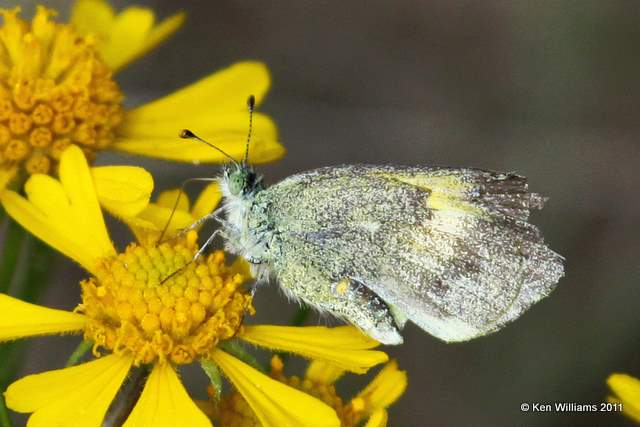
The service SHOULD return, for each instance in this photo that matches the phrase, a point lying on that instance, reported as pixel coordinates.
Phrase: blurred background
(549, 89)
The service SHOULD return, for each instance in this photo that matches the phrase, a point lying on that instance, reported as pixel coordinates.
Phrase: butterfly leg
(206, 244)
(212, 216)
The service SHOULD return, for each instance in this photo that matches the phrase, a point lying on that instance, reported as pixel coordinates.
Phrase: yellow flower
(57, 89)
(371, 403)
(135, 317)
(626, 390)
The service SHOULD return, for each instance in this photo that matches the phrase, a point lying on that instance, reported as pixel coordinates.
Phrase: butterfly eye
(236, 184)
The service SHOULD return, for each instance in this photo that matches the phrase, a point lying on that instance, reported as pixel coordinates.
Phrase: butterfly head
(241, 179)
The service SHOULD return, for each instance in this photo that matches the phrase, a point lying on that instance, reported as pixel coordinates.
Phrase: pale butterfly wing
(450, 249)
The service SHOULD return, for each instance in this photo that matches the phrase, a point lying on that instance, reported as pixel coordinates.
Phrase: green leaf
(213, 372)
(234, 348)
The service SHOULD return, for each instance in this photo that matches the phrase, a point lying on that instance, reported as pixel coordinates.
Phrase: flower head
(137, 312)
(57, 89)
(129, 310)
(370, 404)
(626, 391)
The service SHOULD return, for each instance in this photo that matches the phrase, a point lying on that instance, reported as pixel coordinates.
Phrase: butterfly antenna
(251, 102)
(181, 192)
(173, 211)
(187, 134)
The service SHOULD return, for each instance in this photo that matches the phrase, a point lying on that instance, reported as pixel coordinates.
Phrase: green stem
(234, 348)
(78, 353)
(5, 421)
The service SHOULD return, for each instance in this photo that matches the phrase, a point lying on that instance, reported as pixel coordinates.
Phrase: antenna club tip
(251, 102)
(186, 133)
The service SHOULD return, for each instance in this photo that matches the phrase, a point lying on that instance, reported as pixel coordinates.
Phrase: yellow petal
(93, 17)
(207, 201)
(385, 388)
(274, 403)
(222, 92)
(324, 373)
(625, 386)
(215, 108)
(627, 389)
(227, 132)
(165, 403)
(53, 231)
(76, 396)
(132, 34)
(124, 191)
(211, 126)
(156, 218)
(167, 199)
(343, 346)
(20, 319)
(65, 214)
(160, 33)
(127, 35)
(78, 185)
(261, 151)
(378, 419)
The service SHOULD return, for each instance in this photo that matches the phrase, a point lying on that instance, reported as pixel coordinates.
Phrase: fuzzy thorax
(245, 229)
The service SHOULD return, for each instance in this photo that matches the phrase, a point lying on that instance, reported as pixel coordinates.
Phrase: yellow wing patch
(446, 192)
(342, 287)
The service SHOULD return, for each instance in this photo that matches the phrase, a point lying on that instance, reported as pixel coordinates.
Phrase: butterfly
(450, 249)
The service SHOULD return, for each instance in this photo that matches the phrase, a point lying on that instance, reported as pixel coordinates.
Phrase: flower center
(54, 91)
(132, 310)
